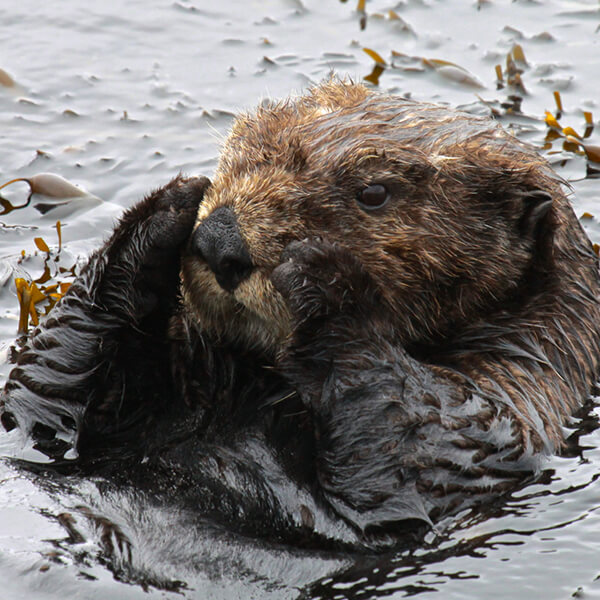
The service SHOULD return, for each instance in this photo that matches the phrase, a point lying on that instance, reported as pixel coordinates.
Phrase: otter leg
(399, 442)
(99, 363)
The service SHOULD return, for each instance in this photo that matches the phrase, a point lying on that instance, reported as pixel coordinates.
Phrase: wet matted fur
(372, 369)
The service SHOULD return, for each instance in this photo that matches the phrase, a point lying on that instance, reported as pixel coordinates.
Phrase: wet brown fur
(468, 282)
(376, 370)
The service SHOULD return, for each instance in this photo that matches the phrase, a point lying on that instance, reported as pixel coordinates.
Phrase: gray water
(120, 96)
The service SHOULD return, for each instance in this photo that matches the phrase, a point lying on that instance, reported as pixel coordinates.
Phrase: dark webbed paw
(336, 309)
(321, 279)
(170, 212)
(142, 256)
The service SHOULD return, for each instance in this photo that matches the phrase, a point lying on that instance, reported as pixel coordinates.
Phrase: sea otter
(378, 313)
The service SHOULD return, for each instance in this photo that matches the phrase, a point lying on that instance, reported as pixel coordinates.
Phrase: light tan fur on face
(254, 316)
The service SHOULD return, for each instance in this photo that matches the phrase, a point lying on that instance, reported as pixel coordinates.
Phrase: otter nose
(218, 241)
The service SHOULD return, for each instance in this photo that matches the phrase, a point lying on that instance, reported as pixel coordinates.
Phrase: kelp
(445, 68)
(572, 141)
(37, 297)
(49, 184)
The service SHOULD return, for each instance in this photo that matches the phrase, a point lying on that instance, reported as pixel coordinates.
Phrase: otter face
(442, 209)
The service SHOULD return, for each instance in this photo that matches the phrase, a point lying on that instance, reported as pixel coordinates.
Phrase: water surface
(120, 96)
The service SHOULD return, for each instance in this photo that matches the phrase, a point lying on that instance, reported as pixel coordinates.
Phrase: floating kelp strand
(28, 295)
(518, 84)
(396, 21)
(570, 133)
(375, 56)
(378, 69)
(58, 227)
(589, 124)
(361, 10)
(559, 104)
(499, 77)
(46, 275)
(445, 68)
(374, 75)
(551, 121)
(50, 289)
(32, 293)
(511, 67)
(518, 55)
(570, 146)
(515, 60)
(551, 136)
(453, 72)
(8, 207)
(41, 244)
(512, 104)
(592, 152)
(572, 140)
(51, 185)
(24, 298)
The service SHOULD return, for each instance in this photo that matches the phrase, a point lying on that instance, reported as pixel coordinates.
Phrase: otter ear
(536, 213)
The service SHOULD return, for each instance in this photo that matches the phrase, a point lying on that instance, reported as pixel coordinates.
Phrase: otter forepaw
(336, 309)
(315, 277)
(143, 254)
(167, 215)
(319, 278)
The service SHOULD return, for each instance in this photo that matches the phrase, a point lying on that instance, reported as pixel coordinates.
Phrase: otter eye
(373, 196)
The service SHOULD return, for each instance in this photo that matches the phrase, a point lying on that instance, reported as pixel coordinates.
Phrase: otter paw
(143, 254)
(168, 215)
(319, 278)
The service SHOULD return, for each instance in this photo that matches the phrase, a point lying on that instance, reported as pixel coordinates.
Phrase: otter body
(378, 313)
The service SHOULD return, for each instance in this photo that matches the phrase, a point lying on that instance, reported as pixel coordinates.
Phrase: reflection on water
(117, 97)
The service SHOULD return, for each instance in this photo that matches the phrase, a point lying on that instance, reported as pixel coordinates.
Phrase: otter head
(447, 213)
